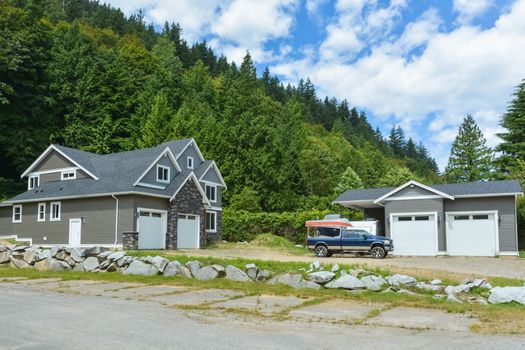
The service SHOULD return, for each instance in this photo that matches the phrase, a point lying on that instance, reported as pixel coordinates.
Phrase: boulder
(453, 298)
(4, 257)
(3, 248)
(126, 260)
(94, 251)
(193, 266)
(429, 286)
(104, 265)
(206, 273)
(486, 285)
(52, 264)
(401, 280)
(251, 270)
(77, 254)
(462, 288)
(18, 263)
(321, 277)
(499, 295)
(374, 283)
(79, 267)
(159, 262)
(175, 268)
(116, 255)
(112, 267)
(343, 273)
(346, 282)
(30, 256)
(359, 272)
(70, 261)
(477, 300)
(235, 274)
(90, 263)
(220, 270)
(138, 267)
(335, 268)
(55, 250)
(263, 275)
(435, 282)
(104, 255)
(294, 281)
(44, 254)
(20, 248)
(316, 264)
(61, 255)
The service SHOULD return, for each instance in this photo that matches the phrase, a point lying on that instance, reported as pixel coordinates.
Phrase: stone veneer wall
(130, 240)
(187, 201)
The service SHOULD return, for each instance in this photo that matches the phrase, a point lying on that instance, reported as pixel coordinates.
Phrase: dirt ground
(509, 267)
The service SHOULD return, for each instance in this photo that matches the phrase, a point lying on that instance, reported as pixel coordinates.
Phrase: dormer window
(34, 181)
(68, 175)
(163, 173)
(211, 193)
(189, 162)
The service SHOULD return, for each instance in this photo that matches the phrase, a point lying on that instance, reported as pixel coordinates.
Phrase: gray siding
(412, 192)
(212, 176)
(99, 226)
(5, 220)
(414, 206)
(151, 175)
(189, 152)
(506, 209)
(53, 160)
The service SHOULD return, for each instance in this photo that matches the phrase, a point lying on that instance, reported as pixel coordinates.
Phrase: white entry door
(188, 228)
(414, 234)
(75, 232)
(152, 229)
(473, 234)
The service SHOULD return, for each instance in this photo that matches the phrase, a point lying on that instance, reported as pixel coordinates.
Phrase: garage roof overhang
(413, 183)
(359, 204)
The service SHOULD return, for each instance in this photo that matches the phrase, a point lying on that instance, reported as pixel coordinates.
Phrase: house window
(189, 162)
(461, 217)
(34, 181)
(405, 218)
(480, 217)
(163, 173)
(69, 175)
(17, 214)
(54, 214)
(422, 218)
(211, 221)
(211, 193)
(41, 216)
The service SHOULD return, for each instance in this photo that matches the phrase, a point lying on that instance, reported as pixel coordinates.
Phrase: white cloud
(469, 70)
(469, 9)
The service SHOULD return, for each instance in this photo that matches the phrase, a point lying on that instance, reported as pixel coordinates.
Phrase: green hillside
(83, 75)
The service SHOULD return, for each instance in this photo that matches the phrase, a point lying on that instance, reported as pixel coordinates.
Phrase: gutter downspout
(116, 219)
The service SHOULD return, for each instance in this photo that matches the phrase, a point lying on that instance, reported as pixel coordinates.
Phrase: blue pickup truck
(329, 240)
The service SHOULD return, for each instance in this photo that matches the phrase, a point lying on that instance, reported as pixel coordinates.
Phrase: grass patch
(522, 254)
(263, 241)
(12, 241)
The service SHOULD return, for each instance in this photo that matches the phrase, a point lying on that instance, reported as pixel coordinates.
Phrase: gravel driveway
(509, 267)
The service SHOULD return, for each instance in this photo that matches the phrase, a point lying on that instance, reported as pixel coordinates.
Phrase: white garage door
(152, 230)
(473, 234)
(414, 234)
(188, 227)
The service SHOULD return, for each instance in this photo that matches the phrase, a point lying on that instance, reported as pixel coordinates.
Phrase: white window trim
(188, 162)
(38, 219)
(62, 173)
(215, 189)
(214, 221)
(169, 173)
(51, 211)
(37, 177)
(14, 220)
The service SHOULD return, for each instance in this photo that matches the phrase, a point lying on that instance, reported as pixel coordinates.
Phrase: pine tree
(410, 149)
(156, 128)
(513, 145)
(470, 157)
(397, 141)
(349, 180)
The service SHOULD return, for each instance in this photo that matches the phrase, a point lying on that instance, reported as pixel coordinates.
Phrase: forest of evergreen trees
(81, 74)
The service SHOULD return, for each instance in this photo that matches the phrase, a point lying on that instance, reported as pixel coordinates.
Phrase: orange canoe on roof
(328, 223)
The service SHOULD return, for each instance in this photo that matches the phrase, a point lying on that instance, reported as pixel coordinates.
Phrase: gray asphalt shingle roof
(117, 172)
(461, 189)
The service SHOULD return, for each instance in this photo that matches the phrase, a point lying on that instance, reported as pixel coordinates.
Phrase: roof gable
(205, 169)
(166, 152)
(413, 183)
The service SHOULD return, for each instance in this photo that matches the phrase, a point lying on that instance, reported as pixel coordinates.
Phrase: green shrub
(244, 226)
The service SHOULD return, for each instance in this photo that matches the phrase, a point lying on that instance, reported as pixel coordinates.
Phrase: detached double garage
(152, 228)
(471, 219)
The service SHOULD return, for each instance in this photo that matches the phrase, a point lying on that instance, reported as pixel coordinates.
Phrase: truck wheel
(378, 252)
(321, 251)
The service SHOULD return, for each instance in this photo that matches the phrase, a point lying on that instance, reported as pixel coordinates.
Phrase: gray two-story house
(165, 197)
(465, 219)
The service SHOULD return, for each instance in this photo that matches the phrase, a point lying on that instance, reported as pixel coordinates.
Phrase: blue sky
(421, 64)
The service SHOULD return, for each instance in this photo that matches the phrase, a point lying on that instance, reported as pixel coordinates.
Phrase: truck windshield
(327, 231)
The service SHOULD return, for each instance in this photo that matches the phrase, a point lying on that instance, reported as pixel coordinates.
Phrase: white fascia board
(167, 150)
(46, 152)
(192, 142)
(489, 195)
(192, 176)
(217, 171)
(109, 194)
(415, 183)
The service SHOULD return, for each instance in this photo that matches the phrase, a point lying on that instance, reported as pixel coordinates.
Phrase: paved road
(43, 319)
(509, 267)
